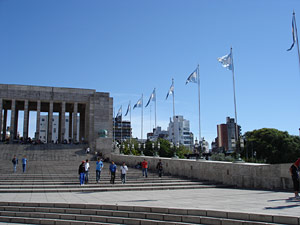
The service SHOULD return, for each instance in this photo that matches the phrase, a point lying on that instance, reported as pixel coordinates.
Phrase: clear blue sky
(128, 47)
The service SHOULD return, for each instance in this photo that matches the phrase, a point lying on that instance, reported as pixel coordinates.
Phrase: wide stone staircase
(56, 170)
(88, 214)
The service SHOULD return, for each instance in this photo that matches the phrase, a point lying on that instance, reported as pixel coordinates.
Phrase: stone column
(12, 120)
(87, 122)
(4, 125)
(70, 126)
(63, 121)
(38, 120)
(16, 121)
(26, 119)
(50, 122)
(1, 108)
(91, 131)
(82, 126)
(75, 122)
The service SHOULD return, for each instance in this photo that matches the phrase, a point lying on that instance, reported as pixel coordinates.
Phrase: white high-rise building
(181, 133)
(55, 127)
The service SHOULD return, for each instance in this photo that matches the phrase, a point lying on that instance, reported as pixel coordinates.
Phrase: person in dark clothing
(112, 169)
(294, 171)
(159, 168)
(15, 163)
(81, 172)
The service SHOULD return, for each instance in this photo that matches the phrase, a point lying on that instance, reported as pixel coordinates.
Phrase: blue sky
(129, 47)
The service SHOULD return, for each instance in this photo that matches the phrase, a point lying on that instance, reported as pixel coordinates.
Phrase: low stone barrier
(243, 175)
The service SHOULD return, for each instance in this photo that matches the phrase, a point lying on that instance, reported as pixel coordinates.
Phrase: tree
(272, 145)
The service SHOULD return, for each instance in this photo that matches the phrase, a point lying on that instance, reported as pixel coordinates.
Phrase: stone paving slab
(232, 200)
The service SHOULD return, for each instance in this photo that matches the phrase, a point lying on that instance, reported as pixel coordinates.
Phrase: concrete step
(56, 213)
(112, 187)
(102, 184)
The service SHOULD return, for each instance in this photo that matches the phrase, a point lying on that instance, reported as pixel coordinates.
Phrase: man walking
(15, 162)
(145, 168)
(24, 163)
(112, 169)
(81, 172)
(159, 168)
(124, 170)
(99, 166)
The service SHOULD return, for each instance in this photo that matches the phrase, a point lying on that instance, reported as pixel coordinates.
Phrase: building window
(54, 130)
(43, 119)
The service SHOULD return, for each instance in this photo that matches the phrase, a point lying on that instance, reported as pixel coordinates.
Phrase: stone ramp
(62, 213)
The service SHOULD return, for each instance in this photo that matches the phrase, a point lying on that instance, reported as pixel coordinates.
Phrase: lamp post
(128, 145)
(158, 148)
(140, 149)
(132, 148)
(144, 145)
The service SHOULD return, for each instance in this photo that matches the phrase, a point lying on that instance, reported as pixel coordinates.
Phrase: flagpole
(173, 95)
(235, 112)
(155, 106)
(150, 117)
(198, 71)
(114, 126)
(142, 119)
(130, 122)
(121, 125)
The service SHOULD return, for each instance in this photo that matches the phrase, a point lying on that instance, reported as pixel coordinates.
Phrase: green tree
(272, 145)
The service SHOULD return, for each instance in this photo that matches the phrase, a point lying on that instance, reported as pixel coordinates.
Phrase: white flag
(193, 77)
(128, 109)
(226, 61)
(171, 90)
(138, 104)
(152, 97)
(119, 114)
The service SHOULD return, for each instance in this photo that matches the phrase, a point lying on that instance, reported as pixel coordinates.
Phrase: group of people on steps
(84, 168)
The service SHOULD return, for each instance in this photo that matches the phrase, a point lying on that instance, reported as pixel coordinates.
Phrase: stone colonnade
(94, 108)
(72, 110)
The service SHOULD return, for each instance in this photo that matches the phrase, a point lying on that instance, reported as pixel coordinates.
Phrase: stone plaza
(190, 191)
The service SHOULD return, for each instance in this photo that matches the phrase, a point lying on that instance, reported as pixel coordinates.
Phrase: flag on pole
(226, 61)
(171, 90)
(293, 32)
(152, 97)
(128, 109)
(119, 114)
(138, 104)
(193, 77)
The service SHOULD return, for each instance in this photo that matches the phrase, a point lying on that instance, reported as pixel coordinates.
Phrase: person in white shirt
(124, 170)
(87, 167)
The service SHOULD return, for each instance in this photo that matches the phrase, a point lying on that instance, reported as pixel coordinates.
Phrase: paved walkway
(235, 200)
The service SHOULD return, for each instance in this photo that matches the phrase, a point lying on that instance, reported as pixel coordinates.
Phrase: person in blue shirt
(99, 166)
(24, 162)
(112, 169)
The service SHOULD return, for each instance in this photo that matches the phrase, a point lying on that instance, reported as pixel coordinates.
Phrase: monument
(93, 109)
